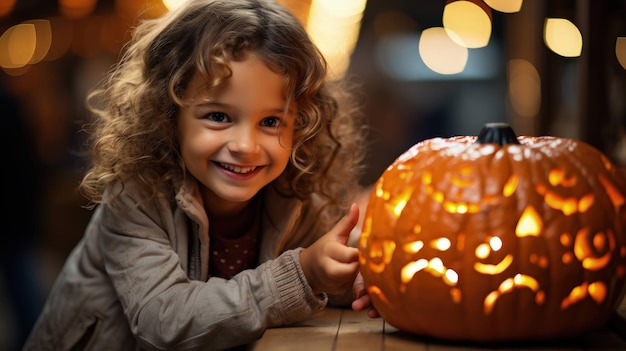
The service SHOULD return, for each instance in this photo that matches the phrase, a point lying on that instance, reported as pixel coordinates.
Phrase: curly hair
(134, 134)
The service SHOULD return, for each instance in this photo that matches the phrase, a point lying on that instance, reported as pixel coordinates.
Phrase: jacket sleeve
(165, 309)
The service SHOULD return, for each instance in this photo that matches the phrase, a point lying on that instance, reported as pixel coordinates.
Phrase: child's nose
(244, 140)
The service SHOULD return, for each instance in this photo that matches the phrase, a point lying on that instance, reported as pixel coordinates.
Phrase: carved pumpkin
(496, 238)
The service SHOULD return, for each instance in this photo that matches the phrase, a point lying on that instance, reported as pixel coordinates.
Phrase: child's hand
(362, 300)
(328, 264)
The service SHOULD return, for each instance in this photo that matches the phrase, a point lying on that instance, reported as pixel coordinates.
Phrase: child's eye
(272, 122)
(217, 117)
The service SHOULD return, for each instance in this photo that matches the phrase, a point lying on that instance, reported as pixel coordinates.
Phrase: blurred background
(427, 69)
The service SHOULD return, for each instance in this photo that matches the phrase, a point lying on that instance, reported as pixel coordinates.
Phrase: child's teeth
(238, 169)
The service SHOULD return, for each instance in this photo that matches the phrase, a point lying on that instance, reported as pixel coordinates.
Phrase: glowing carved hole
(396, 206)
(427, 178)
(438, 196)
(494, 268)
(462, 208)
(441, 244)
(409, 270)
(455, 294)
(465, 170)
(567, 258)
(495, 243)
(381, 250)
(585, 203)
(489, 199)
(529, 224)
(451, 277)
(374, 290)
(507, 286)
(566, 239)
(462, 183)
(417, 229)
(413, 247)
(557, 177)
(577, 294)
(616, 197)
(599, 241)
(597, 291)
(586, 254)
(379, 191)
(434, 266)
(541, 261)
(540, 297)
(510, 186)
(482, 251)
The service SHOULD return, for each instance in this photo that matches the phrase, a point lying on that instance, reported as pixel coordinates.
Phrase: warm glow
(507, 6)
(440, 53)
(434, 266)
(495, 243)
(441, 244)
(334, 27)
(562, 37)
(6, 7)
(556, 176)
(507, 286)
(589, 254)
(173, 4)
(510, 186)
(524, 88)
(467, 24)
(43, 32)
(529, 224)
(494, 269)
(375, 291)
(568, 205)
(482, 251)
(413, 247)
(18, 45)
(396, 204)
(617, 198)
(620, 51)
(76, 8)
(380, 254)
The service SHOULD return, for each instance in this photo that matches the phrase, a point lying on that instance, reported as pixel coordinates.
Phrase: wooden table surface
(343, 329)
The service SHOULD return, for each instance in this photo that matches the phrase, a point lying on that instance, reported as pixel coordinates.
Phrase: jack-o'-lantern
(496, 238)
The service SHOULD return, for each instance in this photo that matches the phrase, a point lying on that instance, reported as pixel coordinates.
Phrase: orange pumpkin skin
(488, 242)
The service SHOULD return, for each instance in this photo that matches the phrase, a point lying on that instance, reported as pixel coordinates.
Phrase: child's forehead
(210, 81)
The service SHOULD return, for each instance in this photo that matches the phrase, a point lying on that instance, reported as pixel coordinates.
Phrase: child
(223, 163)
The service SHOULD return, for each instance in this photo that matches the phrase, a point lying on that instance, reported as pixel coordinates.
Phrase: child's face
(237, 138)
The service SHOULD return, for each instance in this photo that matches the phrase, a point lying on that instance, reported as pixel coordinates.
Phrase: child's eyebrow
(290, 111)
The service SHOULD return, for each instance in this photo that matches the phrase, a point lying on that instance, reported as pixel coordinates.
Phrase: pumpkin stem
(497, 133)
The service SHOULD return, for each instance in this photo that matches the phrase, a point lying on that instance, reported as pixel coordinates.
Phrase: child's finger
(342, 229)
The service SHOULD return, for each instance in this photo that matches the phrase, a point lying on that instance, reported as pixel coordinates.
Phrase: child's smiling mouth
(237, 169)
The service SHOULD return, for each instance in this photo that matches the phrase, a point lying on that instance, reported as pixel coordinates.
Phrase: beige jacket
(138, 279)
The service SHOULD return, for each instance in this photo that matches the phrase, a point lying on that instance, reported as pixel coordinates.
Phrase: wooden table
(343, 329)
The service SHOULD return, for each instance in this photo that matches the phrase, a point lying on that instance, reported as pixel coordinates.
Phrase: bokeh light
(17, 45)
(440, 53)
(506, 6)
(467, 23)
(562, 37)
(334, 27)
(524, 88)
(76, 8)
(620, 51)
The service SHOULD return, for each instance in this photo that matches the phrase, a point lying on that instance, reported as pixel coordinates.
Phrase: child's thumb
(346, 224)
